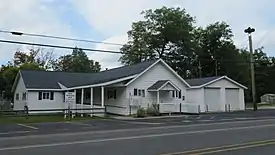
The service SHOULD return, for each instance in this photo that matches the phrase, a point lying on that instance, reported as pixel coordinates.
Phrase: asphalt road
(217, 137)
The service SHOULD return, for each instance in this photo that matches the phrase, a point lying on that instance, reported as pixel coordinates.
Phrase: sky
(109, 21)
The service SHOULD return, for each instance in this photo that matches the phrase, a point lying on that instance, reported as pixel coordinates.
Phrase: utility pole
(200, 69)
(250, 30)
(216, 67)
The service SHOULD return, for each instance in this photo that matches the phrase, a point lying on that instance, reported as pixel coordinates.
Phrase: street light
(250, 30)
(17, 33)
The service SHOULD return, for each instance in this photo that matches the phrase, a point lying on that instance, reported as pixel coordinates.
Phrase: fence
(51, 112)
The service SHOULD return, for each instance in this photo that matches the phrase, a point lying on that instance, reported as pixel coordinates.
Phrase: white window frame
(112, 94)
(24, 96)
(17, 96)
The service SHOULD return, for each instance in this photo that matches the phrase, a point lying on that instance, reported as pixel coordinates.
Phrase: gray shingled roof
(201, 81)
(49, 79)
(158, 84)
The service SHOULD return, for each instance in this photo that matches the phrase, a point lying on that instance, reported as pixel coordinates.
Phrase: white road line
(205, 120)
(199, 117)
(227, 119)
(136, 129)
(78, 123)
(16, 132)
(134, 122)
(212, 117)
(145, 123)
(27, 126)
(186, 121)
(133, 137)
(244, 118)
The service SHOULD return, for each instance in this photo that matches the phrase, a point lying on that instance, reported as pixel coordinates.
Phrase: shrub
(141, 112)
(153, 110)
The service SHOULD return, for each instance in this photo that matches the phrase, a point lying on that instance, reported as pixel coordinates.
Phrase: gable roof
(158, 85)
(202, 82)
(166, 65)
(34, 79)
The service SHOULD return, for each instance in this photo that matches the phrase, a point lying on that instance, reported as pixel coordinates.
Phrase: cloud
(114, 18)
(109, 60)
(30, 16)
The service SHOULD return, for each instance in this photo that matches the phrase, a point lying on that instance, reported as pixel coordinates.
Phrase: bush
(141, 112)
(153, 110)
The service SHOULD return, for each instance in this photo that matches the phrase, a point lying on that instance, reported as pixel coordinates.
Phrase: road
(241, 136)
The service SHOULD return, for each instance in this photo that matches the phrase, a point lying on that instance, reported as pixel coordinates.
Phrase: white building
(122, 90)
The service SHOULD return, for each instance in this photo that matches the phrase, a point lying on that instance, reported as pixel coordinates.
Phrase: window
(173, 93)
(17, 96)
(183, 98)
(112, 94)
(46, 96)
(143, 93)
(176, 93)
(24, 96)
(52, 96)
(139, 92)
(135, 92)
(180, 94)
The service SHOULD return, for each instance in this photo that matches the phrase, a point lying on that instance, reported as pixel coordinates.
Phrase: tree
(8, 74)
(42, 58)
(159, 35)
(216, 44)
(78, 61)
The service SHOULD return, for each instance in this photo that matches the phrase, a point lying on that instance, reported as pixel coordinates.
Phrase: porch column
(102, 96)
(74, 105)
(92, 102)
(82, 99)
(157, 97)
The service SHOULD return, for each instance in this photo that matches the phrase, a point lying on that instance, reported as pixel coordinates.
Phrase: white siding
(168, 87)
(120, 105)
(233, 99)
(157, 72)
(35, 104)
(212, 98)
(196, 97)
(20, 89)
(223, 83)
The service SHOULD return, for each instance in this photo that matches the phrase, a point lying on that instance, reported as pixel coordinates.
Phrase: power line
(58, 37)
(108, 51)
(57, 46)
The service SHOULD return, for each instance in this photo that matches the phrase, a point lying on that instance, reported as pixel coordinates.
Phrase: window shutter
(39, 95)
(52, 96)
(135, 92)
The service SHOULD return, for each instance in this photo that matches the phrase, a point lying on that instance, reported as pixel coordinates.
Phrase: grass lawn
(39, 119)
(250, 105)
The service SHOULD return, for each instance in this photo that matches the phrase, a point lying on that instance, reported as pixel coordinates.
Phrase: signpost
(69, 101)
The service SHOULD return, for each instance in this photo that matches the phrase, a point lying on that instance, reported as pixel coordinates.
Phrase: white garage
(212, 101)
(216, 94)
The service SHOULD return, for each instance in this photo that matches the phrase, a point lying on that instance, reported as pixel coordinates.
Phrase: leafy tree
(159, 36)
(42, 58)
(8, 74)
(78, 61)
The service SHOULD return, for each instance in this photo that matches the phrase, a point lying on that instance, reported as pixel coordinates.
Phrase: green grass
(250, 105)
(40, 119)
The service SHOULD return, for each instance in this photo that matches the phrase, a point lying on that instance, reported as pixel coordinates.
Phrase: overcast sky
(109, 21)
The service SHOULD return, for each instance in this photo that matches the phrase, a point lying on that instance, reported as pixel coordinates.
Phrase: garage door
(232, 98)
(212, 99)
